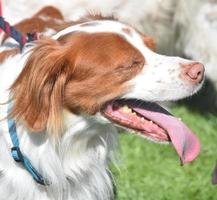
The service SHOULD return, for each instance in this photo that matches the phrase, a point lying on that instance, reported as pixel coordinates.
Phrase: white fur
(162, 71)
(179, 27)
(188, 25)
(77, 164)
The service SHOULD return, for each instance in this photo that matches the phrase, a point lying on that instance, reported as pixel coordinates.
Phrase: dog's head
(106, 67)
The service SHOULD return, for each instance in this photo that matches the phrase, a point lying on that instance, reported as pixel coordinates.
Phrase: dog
(68, 92)
(177, 30)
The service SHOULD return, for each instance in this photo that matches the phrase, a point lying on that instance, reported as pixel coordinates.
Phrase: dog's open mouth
(152, 121)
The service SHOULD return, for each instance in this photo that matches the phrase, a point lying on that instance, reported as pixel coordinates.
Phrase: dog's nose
(193, 72)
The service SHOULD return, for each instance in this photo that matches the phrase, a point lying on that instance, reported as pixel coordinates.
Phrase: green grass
(150, 171)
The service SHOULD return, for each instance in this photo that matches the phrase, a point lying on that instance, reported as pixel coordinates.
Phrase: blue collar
(18, 155)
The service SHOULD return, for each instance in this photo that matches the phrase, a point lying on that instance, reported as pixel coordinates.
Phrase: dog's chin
(185, 93)
(188, 92)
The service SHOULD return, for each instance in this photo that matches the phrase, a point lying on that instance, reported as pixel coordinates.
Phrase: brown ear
(150, 43)
(38, 91)
(49, 12)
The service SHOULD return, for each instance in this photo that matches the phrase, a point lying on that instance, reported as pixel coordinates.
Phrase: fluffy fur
(179, 27)
(58, 86)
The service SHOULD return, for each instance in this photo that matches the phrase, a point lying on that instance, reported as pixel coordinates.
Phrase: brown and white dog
(71, 88)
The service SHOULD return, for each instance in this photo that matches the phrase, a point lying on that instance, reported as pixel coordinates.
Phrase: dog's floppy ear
(38, 91)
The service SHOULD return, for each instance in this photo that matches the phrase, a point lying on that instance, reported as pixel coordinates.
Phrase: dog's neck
(76, 163)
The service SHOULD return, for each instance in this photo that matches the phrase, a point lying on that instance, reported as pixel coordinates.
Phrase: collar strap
(18, 156)
(12, 32)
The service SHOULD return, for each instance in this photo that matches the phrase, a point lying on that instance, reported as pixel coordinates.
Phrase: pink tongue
(185, 142)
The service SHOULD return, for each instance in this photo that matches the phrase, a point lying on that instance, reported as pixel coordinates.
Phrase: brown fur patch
(47, 17)
(150, 43)
(50, 12)
(7, 53)
(80, 72)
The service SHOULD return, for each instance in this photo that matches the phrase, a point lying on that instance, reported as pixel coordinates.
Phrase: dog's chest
(76, 167)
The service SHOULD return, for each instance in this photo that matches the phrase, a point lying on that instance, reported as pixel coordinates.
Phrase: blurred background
(180, 28)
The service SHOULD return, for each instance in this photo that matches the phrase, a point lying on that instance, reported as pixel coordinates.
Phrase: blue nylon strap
(19, 157)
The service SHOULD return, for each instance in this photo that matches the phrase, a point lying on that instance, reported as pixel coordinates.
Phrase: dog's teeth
(130, 111)
(143, 119)
(126, 109)
(151, 122)
(133, 113)
(180, 119)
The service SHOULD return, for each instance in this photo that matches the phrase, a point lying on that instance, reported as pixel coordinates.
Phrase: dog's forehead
(94, 27)
(109, 26)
